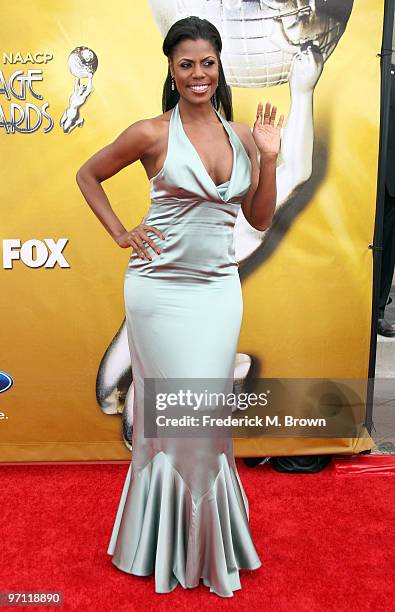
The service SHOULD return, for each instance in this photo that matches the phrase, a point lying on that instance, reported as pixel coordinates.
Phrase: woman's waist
(203, 250)
(197, 214)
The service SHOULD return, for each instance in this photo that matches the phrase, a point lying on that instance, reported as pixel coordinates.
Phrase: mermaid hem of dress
(181, 540)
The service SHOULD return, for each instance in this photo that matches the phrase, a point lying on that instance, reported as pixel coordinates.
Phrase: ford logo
(6, 381)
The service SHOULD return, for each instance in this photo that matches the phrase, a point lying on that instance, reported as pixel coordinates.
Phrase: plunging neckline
(193, 148)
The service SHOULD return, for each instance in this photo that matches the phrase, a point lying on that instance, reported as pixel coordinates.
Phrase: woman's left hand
(265, 133)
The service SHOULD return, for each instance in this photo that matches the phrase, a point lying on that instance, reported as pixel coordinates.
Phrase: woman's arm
(259, 203)
(263, 186)
(127, 148)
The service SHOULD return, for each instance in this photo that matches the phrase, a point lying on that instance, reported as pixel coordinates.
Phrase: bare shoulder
(152, 134)
(151, 125)
(159, 124)
(243, 131)
(144, 134)
(139, 141)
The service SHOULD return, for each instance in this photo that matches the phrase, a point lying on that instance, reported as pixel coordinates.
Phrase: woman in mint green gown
(183, 514)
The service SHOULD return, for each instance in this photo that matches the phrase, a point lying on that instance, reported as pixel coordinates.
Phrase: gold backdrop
(307, 309)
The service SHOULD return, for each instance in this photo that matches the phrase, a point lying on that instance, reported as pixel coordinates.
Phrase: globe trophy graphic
(261, 37)
(82, 63)
(265, 43)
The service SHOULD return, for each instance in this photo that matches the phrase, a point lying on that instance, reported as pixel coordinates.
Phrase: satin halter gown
(183, 513)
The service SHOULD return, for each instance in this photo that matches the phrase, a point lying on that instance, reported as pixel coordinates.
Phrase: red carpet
(324, 540)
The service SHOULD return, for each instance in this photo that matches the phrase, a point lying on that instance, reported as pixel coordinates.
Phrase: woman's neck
(196, 113)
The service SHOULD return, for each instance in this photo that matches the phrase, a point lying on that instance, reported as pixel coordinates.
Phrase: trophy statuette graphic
(262, 37)
(82, 63)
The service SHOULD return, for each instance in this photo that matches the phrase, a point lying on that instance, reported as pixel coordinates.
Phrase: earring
(172, 84)
(215, 99)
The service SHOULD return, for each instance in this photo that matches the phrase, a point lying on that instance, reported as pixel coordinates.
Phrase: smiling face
(195, 69)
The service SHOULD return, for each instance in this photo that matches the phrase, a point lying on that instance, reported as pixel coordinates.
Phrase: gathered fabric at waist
(192, 211)
(198, 243)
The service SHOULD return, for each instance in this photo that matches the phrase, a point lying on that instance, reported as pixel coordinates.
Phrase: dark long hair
(194, 28)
